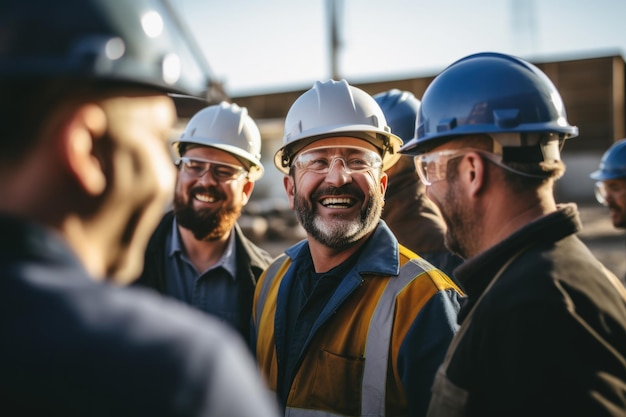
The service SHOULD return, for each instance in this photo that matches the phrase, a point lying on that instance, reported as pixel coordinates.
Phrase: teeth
(205, 198)
(336, 201)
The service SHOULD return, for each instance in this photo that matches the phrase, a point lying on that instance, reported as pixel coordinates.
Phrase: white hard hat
(335, 108)
(227, 127)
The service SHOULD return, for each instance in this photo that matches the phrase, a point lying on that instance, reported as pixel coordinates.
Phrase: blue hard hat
(130, 41)
(488, 93)
(400, 109)
(613, 163)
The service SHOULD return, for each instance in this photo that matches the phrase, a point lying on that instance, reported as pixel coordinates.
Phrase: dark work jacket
(71, 346)
(549, 337)
(251, 261)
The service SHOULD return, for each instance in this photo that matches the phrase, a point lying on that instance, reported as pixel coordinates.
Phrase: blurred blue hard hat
(613, 163)
(139, 42)
(400, 109)
(489, 93)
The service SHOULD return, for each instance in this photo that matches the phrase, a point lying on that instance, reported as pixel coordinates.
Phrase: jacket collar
(475, 273)
(379, 256)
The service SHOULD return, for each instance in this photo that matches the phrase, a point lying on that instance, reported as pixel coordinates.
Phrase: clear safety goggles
(321, 160)
(221, 171)
(432, 167)
(607, 189)
(600, 192)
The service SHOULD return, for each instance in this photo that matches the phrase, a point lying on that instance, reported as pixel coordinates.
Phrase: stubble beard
(342, 232)
(458, 237)
(618, 217)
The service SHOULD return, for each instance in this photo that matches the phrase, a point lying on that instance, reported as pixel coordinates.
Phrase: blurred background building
(274, 51)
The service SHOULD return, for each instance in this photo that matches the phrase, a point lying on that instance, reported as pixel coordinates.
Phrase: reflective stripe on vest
(270, 274)
(378, 340)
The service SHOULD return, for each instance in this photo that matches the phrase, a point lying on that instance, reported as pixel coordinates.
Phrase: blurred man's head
(84, 97)
(610, 187)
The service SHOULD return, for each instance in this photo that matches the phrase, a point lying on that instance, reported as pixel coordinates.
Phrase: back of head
(494, 94)
(613, 163)
(335, 108)
(50, 49)
(83, 82)
(227, 127)
(400, 109)
(133, 41)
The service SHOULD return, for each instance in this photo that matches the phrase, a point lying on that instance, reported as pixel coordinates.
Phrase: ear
(81, 132)
(290, 189)
(384, 179)
(474, 173)
(247, 191)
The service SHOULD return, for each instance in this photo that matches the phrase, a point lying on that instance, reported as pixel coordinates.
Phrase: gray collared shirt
(214, 291)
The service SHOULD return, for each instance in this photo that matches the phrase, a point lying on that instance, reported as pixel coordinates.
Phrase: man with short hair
(348, 321)
(198, 253)
(543, 331)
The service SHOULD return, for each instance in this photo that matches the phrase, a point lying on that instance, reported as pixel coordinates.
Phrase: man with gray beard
(348, 321)
(198, 254)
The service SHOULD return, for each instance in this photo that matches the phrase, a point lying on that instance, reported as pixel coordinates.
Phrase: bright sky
(263, 46)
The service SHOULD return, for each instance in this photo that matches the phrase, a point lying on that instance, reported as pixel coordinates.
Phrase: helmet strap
(527, 147)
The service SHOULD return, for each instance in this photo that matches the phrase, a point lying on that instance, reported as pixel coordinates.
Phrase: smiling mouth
(338, 202)
(205, 198)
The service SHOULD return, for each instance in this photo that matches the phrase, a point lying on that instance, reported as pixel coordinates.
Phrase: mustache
(210, 190)
(347, 189)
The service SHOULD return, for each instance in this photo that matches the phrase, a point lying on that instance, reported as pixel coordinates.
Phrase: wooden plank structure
(592, 89)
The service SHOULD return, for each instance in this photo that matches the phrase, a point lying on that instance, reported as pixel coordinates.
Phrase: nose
(338, 173)
(207, 177)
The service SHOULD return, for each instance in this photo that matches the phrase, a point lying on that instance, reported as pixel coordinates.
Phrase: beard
(206, 224)
(460, 226)
(342, 231)
(618, 217)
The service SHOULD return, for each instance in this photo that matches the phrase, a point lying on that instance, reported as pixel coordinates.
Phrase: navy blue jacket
(71, 346)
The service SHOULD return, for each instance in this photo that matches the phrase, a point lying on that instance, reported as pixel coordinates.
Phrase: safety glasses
(322, 159)
(431, 167)
(610, 188)
(222, 172)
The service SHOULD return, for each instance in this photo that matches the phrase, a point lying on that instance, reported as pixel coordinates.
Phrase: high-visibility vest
(378, 334)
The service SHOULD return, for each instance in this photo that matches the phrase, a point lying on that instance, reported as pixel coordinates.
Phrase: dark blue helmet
(489, 93)
(613, 163)
(400, 109)
(130, 41)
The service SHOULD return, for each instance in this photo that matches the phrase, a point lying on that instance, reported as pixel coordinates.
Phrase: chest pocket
(334, 371)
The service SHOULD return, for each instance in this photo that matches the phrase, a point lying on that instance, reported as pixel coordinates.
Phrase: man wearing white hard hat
(199, 254)
(347, 322)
